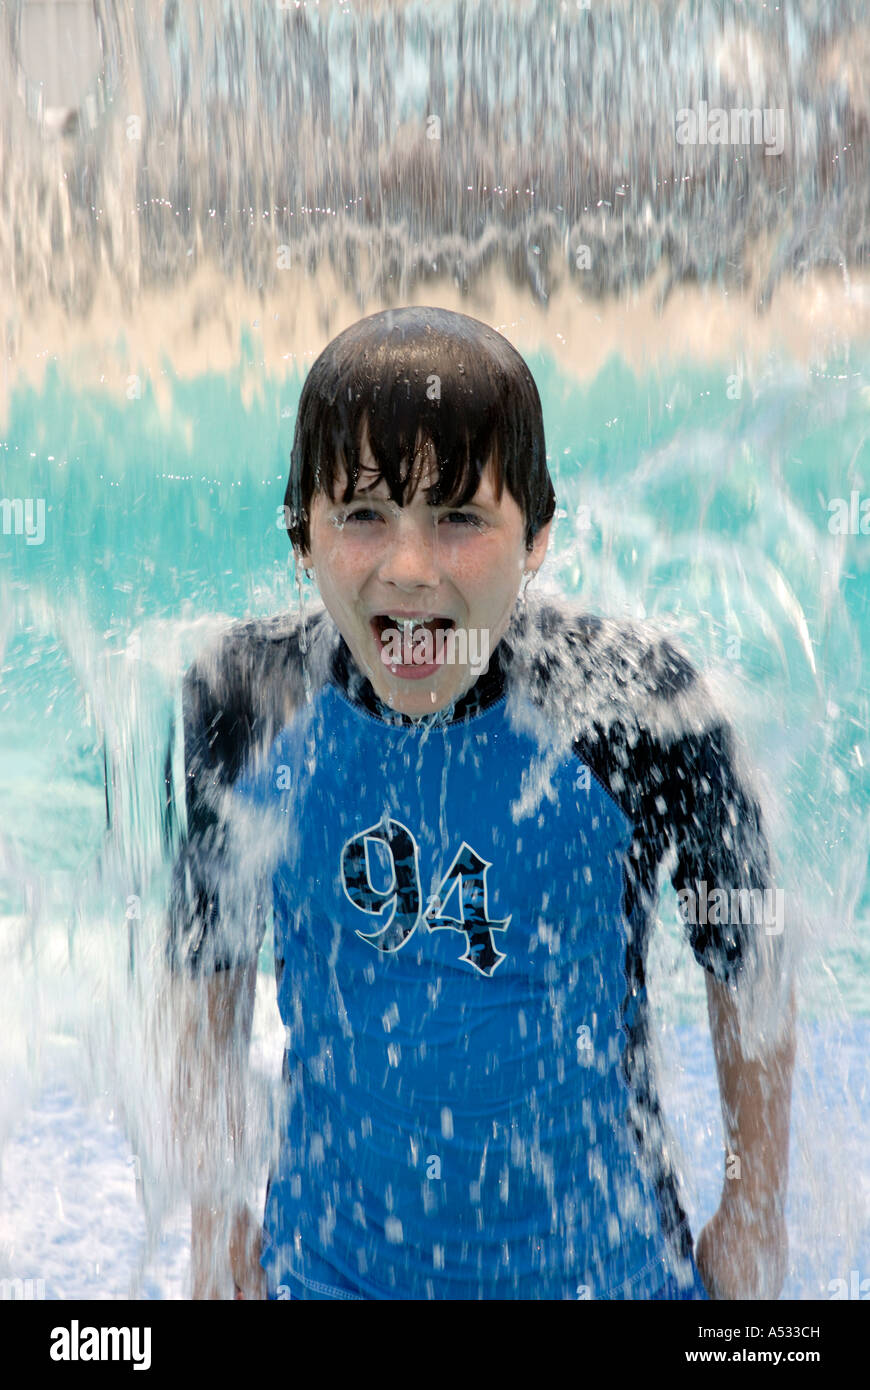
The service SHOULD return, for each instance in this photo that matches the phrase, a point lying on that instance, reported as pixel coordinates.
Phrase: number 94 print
(402, 901)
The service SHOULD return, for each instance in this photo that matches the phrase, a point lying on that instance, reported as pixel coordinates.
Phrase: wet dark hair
(408, 376)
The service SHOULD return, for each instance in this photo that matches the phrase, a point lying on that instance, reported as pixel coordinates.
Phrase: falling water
(229, 188)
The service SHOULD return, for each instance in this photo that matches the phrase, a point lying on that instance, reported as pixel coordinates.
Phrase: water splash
(708, 517)
(402, 143)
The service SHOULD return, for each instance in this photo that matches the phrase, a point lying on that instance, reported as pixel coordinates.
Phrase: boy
(463, 861)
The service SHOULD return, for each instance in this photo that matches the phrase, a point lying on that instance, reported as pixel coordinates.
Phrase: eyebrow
(362, 494)
(489, 502)
(359, 492)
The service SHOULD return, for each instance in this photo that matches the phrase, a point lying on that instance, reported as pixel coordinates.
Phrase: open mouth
(408, 643)
(384, 623)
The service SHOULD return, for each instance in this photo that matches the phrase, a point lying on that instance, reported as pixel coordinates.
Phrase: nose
(411, 557)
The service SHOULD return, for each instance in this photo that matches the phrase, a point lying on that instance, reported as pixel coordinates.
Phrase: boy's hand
(221, 1267)
(245, 1248)
(742, 1254)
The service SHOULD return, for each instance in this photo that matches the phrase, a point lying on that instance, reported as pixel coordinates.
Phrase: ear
(535, 556)
(302, 560)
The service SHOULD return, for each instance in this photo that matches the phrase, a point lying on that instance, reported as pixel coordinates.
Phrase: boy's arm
(212, 954)
(721, 844)
(686, 793)
(742, 1252)
(214, 1019)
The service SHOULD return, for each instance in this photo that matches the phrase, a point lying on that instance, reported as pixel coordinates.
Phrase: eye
(466, 518)
(361, 514)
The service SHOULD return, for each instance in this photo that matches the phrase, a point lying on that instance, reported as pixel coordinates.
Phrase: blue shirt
(460, 916)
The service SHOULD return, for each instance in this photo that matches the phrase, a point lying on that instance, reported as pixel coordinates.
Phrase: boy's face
(460, 568)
